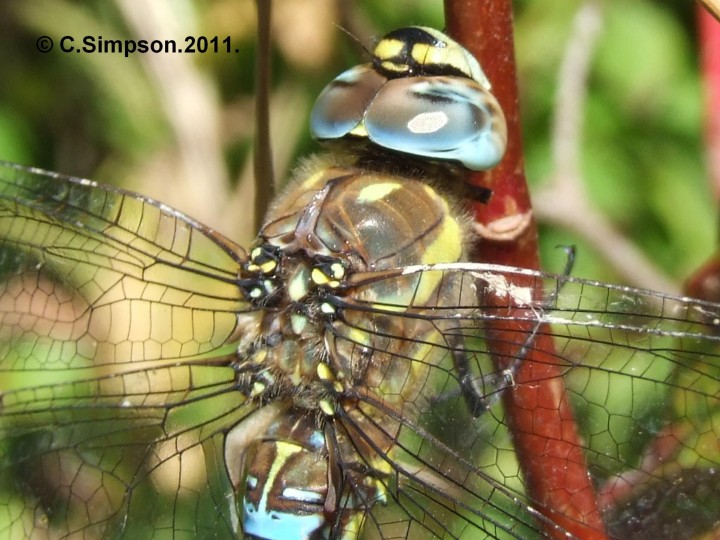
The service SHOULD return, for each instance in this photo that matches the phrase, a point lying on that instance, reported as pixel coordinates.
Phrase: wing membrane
(117, 321)
(642, 371)
(110, 274)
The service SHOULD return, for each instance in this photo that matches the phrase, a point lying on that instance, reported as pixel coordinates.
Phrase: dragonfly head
(423, 51)
(423, 96)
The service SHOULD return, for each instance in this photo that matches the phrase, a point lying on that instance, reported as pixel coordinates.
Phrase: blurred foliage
(642, 157)
(105, 116)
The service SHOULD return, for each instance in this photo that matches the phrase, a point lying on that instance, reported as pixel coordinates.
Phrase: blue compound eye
(441, 118)
(341, 106)
(423, 95)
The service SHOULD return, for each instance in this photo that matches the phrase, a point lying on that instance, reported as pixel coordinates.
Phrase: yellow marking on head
(388, 48)
(392, 66)
(451, 56)
(425, 54)
(375, 192)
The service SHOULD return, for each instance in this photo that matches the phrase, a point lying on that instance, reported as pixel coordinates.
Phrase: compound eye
(442, 118)
(424, 95)
(341, 106)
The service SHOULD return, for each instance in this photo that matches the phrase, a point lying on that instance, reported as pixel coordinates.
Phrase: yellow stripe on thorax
(377, 191)
(446, 247)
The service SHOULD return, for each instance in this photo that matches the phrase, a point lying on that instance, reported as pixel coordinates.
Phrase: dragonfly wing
(641, 370)
(100, 264)
(117, 321)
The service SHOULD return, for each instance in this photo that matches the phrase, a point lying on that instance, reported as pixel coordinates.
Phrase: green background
(117, 119)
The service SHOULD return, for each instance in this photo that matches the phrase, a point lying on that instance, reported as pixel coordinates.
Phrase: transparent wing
(117, 321)
(639, 369)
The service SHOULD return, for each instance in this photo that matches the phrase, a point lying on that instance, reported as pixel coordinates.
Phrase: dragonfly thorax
(283, 345)
(312, 346)
(334, 224)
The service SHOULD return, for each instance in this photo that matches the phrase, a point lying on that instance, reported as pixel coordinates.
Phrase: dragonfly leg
(478, 401)
(481, 393)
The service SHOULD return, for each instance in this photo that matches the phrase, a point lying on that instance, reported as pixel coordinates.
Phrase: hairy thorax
(311, 270)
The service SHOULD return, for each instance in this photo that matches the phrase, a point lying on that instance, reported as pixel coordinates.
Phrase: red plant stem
(541, 420)
(705, 282)
(709, 34)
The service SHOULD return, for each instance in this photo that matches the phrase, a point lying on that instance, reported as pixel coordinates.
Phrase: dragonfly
(334, 379)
